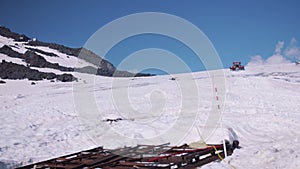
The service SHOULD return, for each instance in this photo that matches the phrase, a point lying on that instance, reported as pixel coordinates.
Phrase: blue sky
(238, 29)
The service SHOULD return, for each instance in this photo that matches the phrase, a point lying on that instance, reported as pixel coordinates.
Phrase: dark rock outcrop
(10, 52)
(35, 60)
(42, 52)
(17, 37)
(87, 69)
(66, 78)
(60, 48)
(144, 74)
(105, 68)
(10, 70)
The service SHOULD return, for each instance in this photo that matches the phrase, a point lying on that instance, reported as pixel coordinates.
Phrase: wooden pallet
(141, 156)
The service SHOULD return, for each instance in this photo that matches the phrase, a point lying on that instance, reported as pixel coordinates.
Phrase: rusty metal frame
(140, 156)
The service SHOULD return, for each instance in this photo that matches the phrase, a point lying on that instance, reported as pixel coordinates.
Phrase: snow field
(261, 110)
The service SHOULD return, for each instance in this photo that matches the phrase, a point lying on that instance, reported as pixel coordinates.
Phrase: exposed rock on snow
(10, 52)
(17, 37)
(50, 55)
(14, 71)
(36, 60)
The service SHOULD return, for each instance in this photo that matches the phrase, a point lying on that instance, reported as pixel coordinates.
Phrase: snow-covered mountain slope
(261, 111)
(262, 108)
(15, 49)
(30, 54)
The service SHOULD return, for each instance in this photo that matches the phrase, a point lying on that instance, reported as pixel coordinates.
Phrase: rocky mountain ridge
(32, 53)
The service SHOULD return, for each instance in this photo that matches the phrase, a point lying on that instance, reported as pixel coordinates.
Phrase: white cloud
(256, 60)
(276, 58)
(292, 51)
(293, 42)
(278, 48)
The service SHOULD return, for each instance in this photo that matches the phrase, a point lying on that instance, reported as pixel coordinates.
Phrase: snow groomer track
(141, 156)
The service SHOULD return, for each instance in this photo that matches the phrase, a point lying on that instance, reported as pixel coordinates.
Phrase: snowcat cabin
(236, 63)
(236, 66)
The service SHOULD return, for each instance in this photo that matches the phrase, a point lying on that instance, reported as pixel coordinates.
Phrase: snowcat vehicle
(236, 66)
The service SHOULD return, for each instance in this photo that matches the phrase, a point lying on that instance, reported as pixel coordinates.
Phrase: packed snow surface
(50, 119)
